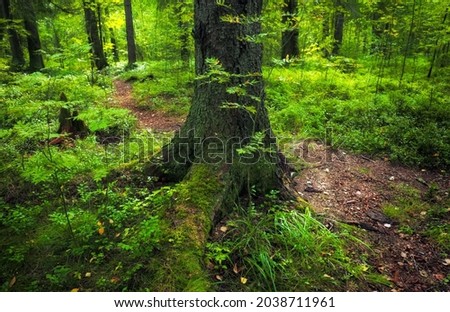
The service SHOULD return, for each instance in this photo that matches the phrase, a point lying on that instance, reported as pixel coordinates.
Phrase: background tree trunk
(92, 29)
(289, 37)
(17, 57)
(131, 44)
(33, 39)
(339, 19)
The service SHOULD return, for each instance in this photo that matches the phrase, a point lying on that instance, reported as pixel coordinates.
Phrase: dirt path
(147, 119)
(353, 189)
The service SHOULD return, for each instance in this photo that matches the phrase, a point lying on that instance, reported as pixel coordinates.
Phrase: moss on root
(189, 221)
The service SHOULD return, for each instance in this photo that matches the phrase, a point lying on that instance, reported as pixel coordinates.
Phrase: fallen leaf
(235, 268)
(403, 254)
(114, 279)
(439, 276)
(244, 280)
(75, 290)
(12, 281)
(88, 274)
(423, 273)
(223, 229)
(101, 230)
(446, 262)
(219, 277)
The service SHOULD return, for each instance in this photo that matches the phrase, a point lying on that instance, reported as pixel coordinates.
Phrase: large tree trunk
(131, 44)
(17, 57)
(289, 38)
(33, 39)
(226, 145)
(92, 29)
(339, 19)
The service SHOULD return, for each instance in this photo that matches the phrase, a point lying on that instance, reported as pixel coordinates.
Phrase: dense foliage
(82, 215)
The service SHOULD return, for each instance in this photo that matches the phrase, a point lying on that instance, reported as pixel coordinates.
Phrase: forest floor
(355, 190)
(147, 119)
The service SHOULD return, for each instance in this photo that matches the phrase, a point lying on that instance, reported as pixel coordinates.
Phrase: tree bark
(17, 57)
(33, 39)
(339, 19)
(131, 44)
(215, 154)
(289, 37)
(92, 29)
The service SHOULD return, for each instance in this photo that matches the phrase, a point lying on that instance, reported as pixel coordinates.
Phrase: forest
(224, 145)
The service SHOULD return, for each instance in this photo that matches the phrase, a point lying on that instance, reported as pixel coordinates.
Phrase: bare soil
(353, 189)
(147, 119)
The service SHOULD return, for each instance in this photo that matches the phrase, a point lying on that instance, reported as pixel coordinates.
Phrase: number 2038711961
(295, 302)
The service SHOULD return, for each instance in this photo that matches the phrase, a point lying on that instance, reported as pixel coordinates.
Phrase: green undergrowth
(84, 216)
(80, 215)
(358, 111)
(426, 213)
(277, 247)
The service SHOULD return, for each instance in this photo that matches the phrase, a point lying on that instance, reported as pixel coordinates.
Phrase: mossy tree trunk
(289, 38)
(226, 145)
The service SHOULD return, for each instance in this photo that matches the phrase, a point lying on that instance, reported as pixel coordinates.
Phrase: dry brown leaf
(439, 276)
(114, 279)
(12, 281)
(223, 229)
(219, 277)
(235, 268)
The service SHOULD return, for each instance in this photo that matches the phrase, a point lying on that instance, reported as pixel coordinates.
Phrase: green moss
(180, 267)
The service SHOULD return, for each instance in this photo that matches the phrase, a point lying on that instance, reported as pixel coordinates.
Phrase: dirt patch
(147, 119)
(353, 189)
